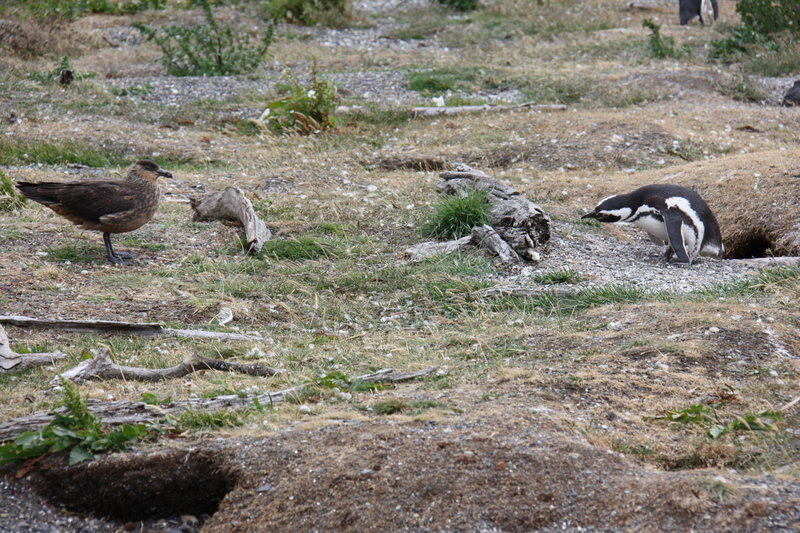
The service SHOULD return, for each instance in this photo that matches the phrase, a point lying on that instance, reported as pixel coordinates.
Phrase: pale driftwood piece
(146, 329)
(11, 361)
(458, 110)
(424, 250)
(486, 237)
(125, 412)
(518, 221)
(231, 204)
(101, 367)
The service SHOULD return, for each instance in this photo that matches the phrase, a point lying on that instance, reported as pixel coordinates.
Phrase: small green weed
(303, 109)
(743, 89)
(553, 277)
(455, 216)
(222, 418)
(332, 13)
(338, 380)
(664, 47)
(208, 49)
(586, 299)
(55, 74)
(10, 197)
(77, 430)
(137, 89)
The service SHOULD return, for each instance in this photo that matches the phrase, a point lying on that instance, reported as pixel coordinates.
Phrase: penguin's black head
(612, 209)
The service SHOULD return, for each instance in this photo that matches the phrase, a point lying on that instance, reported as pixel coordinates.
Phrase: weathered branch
(122, 412)
(231, 204)
(459, 110)
(486, 237)
(146, 329)
(11, 361)
(101, 367)
(424, 250)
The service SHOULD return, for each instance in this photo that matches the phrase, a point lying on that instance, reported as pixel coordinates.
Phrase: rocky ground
(534, 421)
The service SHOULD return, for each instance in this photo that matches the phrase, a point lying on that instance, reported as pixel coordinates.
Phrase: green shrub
(77, 430)
(55, 74)
(10, 198)
(309, 12)
(208, 49)
(664, 47)
(460, 5)
(455, 216)
(769, 17)
(302, 109)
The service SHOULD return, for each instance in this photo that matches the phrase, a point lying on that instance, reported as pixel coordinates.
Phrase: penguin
(689, 9)
(670, 214)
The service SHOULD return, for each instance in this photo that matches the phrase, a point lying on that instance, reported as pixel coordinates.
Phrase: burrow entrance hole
(140, 487)
(754, 244)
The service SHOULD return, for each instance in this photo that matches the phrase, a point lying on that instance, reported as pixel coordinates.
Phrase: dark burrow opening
(139, 487)
(754, 244)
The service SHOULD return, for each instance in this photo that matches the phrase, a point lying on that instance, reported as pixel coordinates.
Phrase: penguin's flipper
(674, 221)
(715, 7)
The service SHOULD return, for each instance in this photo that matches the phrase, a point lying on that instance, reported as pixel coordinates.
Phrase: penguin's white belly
(654, 227)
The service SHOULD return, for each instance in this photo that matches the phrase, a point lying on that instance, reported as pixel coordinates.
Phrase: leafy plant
(769, 17)
(208, 49)
(707, 417)
(389, 406)
(455, 216)
(664, 47)
(303, 109)
(308, 12)
(339, 380)
(55, 74)
(76, 430)
(10, 197)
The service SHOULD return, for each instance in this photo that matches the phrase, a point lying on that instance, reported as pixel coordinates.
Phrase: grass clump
(332, 13)
(439, 81)
(553, 277)
(78, 252)
(455, 216)
(71, 9)
(208, 49)
(303, 109)
(664, 47)
(460, 5)
(389, 407)
(76, 430)
(10, 198)
(295, 249)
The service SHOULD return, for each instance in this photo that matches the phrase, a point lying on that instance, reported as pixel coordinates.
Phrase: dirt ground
(535, 421)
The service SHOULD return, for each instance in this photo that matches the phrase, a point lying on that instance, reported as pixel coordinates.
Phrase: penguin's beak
(590, 214)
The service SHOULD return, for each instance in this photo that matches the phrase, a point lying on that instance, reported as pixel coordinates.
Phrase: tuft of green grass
(71, 9)
(767, 280)
(331, 13)
(389, 406)
(53, 75)
(455, 216)
(200, 420)
(296, 249)
(553, 277)
(552, 303)
(77, 252)
(10, 197)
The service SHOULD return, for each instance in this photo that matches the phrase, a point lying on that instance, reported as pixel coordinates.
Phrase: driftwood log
(126, 412)
(12, 362)
(146, 329)
(101, 367)
(460, 110)
(517, 220)
(231, 204)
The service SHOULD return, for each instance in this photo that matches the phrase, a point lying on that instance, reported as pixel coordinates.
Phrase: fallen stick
(126, 412)
(231, 204)
(12, 362)
(146, 329)
(101, 367)
(458, 110)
